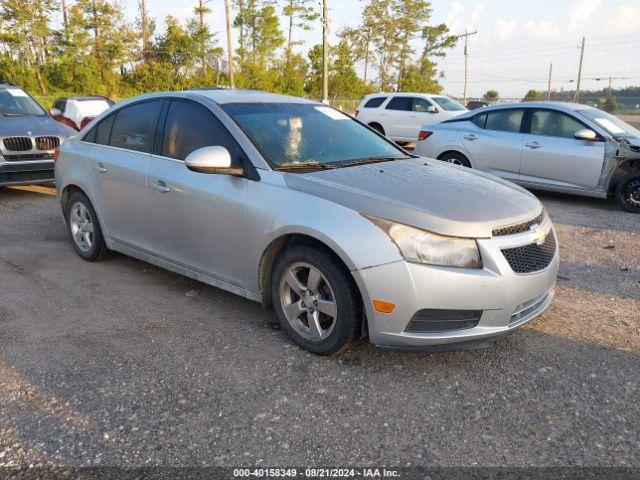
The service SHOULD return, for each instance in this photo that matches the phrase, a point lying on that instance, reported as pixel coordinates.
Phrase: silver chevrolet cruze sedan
(298, 206)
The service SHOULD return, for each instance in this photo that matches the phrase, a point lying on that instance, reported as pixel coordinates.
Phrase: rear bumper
(506, 299)
(26, 173)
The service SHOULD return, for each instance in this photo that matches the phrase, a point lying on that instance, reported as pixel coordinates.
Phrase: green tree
(491, 96)
(533, 96)
(420, 76)
(299, 14)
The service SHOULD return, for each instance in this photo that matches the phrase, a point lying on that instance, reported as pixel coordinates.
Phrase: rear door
(396, 117)
(197, 219)
(119, 161)
(553, 156)
(494, 141)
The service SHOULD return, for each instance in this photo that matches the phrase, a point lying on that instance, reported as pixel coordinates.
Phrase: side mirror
(585, 134)
(214, 159)
(432, 109)
(55, 112)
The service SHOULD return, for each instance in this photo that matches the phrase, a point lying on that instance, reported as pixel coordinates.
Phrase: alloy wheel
(308, 301)
(81, 226)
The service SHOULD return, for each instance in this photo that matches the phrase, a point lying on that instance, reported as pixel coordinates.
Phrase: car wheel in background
(456, 158)
(628, 193)
(315, 299)
(377, 127)
(84, 229)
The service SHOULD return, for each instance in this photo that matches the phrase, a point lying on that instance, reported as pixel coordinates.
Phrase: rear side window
(189, 127)
(508, 120)
(134, 126)
(375, 102)
(400, 103)
(479, 120)
(554, 124)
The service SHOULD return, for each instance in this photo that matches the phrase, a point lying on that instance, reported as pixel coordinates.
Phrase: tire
(84, 229)
(455, 158)
(377, 127)
(628, 193)
(309, 320)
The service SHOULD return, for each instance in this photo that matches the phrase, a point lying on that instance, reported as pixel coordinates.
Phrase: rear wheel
(628, 193)
(455, 158)
(84, 229)
(315, 299)
(377, 127)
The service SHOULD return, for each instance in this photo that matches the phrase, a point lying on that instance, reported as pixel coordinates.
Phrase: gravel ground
(120, 363)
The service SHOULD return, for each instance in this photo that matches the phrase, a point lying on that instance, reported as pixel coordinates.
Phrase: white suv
(400, 116)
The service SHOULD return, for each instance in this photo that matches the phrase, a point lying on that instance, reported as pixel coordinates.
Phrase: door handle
(469, 136)
(532, 145)
(99, 167)
(160, 186)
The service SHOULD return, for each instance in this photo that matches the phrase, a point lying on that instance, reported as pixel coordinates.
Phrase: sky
(515, 43)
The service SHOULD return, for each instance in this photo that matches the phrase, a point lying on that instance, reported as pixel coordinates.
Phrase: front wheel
(628, 193)
(315, 299)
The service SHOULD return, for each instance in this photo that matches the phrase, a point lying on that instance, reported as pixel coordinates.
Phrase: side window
(134, 126)
(507, 120)
(420, 105)
(100, 133)
(479, 120)
(375, 102)
(554, 124)
(189, 127)
(400, 103)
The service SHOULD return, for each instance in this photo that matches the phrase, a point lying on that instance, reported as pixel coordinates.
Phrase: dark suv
(29, 138)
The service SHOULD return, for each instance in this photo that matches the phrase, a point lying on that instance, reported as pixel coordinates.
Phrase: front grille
(47, 143)
(17, 144)
(518, 228)
(25, 157)
(437, 320)
(533, 257)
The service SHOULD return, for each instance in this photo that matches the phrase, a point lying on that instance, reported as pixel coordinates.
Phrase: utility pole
(144, 26)
(576, 97)
(466, 36)
(325, 53)
(65, 20)
(549, 85)
(229, 45)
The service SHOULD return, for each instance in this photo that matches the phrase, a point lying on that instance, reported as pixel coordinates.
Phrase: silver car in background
(298, 206)
(563, 147)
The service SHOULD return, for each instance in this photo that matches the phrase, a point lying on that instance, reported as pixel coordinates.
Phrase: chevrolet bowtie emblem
(539, 232)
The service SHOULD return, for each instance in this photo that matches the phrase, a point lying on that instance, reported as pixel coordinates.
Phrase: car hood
(13, 126)
(424, 193)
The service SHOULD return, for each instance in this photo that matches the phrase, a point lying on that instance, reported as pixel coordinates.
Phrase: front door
(552, 155)
(197, 219)
(119, 160)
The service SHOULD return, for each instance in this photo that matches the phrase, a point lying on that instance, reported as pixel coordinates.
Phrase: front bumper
(507, 299)
(26, 173)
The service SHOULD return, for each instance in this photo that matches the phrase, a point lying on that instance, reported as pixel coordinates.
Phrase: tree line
(95, 49)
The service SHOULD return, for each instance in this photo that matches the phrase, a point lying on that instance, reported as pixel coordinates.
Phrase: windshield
(612, 124)
(14, 101)
(290, 135)
(448, 104)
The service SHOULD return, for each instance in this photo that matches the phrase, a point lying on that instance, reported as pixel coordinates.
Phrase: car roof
(562, 106)
(240, 95)
(85, 97)
(403, 94)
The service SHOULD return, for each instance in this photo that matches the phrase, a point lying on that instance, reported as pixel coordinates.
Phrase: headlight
(419, 246)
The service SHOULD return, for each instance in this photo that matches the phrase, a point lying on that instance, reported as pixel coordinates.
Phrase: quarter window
(479, 120)
(189, 127)
(134, 126)
(375, 102)
(400, 103)
(554, 124)
(508, 120)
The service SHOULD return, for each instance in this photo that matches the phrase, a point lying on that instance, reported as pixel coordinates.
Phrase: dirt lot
(120, 363)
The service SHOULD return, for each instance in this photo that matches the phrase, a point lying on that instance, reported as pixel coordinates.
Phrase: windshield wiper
(306, 166)
(365, 161)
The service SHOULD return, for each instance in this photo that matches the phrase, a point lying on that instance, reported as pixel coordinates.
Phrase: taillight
(357, 112)
(424, 134)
